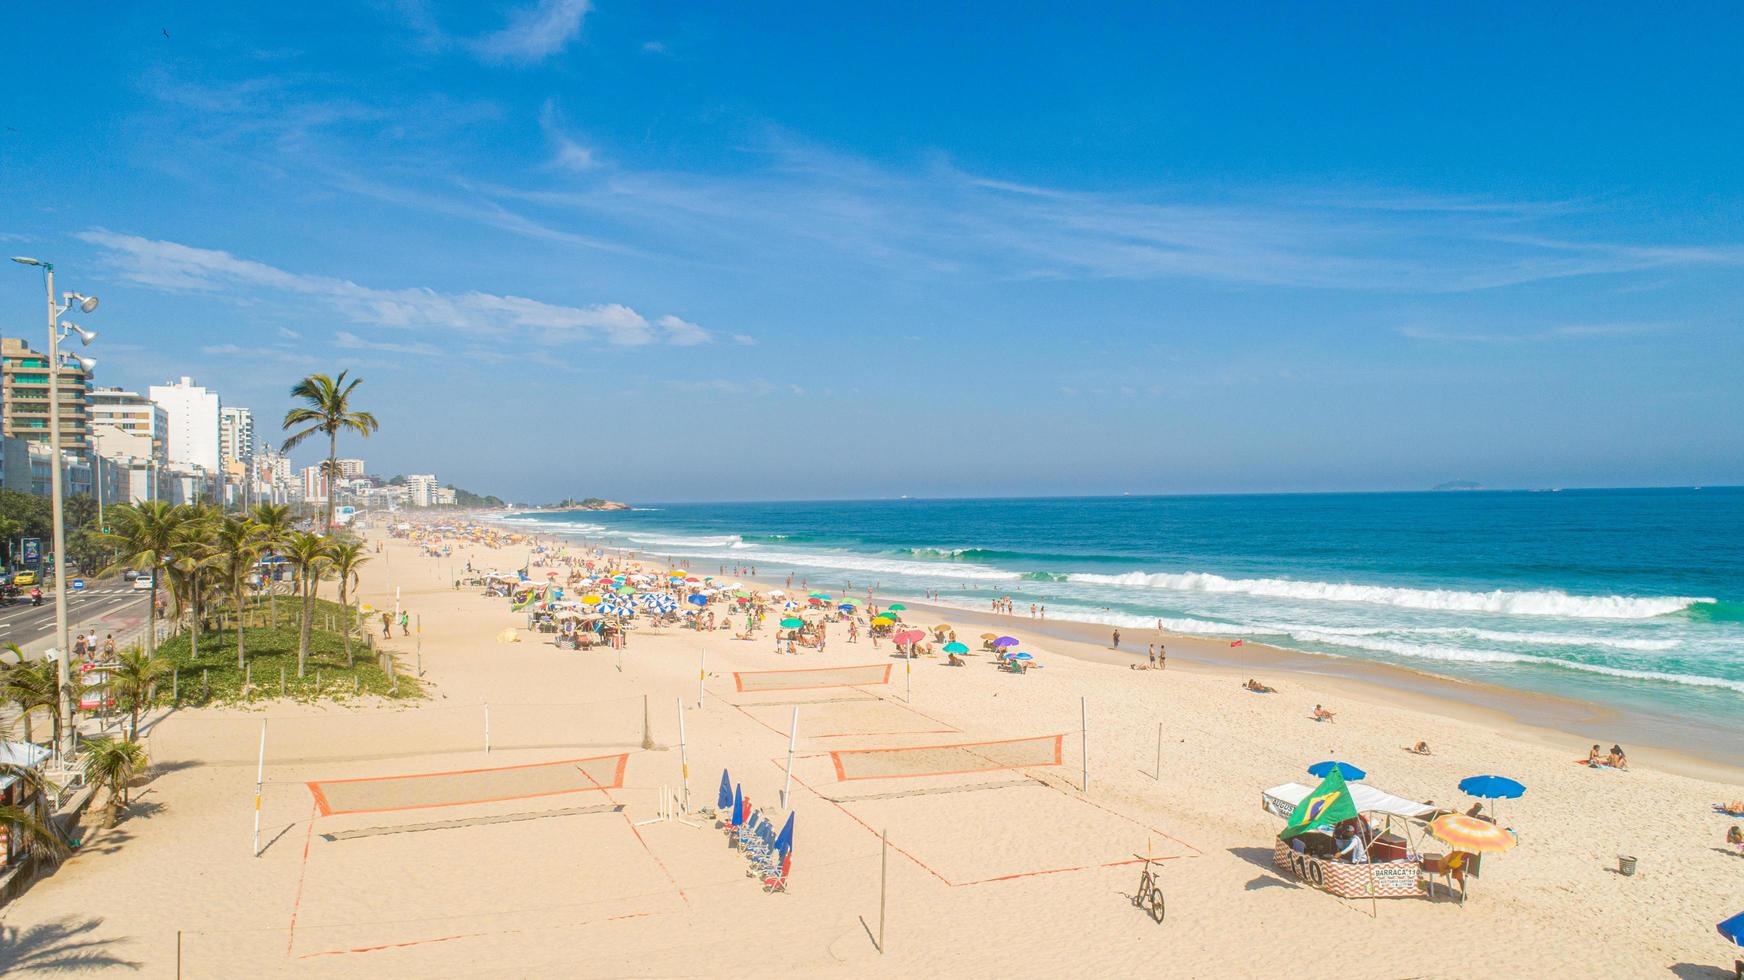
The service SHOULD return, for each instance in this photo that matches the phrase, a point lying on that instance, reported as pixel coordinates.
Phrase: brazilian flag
(1330, 803)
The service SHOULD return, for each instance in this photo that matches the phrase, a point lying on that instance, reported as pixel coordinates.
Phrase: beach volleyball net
(417, 791)
(809, 678)
(947, 760)
(342, 734)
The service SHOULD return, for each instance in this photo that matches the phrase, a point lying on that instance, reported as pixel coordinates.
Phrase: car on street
(142, 583)
(26, 577)
(129, 575)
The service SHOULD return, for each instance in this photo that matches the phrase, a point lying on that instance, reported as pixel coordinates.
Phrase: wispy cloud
(175, 267)
(351, 341)
(654, 47)
(1566, 331)
(534, 33)
(738, 388)
(567, 153)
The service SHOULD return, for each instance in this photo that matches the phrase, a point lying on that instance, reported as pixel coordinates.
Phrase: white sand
(533, 888)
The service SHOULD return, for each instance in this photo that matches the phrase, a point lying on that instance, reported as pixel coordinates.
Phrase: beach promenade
(1016, 869)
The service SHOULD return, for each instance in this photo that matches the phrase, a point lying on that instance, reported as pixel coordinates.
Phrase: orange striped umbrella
(1463, 833)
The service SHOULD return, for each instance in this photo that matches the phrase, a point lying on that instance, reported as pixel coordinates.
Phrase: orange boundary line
(842, 777)
(617, 782)
(739, 675)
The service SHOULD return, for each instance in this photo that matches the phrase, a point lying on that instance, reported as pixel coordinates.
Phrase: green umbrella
(955, 647)
(792, 624)
(741, 594)
(896, 607)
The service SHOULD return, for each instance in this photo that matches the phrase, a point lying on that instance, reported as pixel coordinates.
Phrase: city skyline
(1229, 253)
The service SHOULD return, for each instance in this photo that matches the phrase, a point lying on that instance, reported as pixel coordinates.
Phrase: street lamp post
(56, 329)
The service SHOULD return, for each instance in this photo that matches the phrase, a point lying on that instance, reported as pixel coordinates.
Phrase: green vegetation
(326, 410)
(215, 678)
(466, 498)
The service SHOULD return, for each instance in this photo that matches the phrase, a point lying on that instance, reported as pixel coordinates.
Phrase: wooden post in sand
(259, 778)
(1084, 739)
(883, 882)
(683, 760)
(792, 739)
(701, 675)
(1159, 770)
(647, 733)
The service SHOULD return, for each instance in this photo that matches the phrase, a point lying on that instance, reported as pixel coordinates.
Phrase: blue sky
(798, 250)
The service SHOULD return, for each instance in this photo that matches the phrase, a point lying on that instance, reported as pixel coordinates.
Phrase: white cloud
(683, 333)
(174, 267)
(654, 47)
(534, 33)
(351, 341)
(744, 340)
(1566, 331)
(289, 334)
(567, 153)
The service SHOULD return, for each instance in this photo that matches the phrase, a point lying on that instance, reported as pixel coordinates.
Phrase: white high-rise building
(314, 484)
(235, 434)
(193, 414)
(350, 469)
(421, 488)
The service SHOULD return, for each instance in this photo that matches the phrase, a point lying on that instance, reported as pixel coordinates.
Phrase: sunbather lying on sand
(1321, 714)
(1257, 687)
(1734, 808)
(1421, 748)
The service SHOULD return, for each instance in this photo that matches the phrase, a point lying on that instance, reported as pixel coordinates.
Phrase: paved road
(24, 624)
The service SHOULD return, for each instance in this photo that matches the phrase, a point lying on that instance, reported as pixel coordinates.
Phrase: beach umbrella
(792, 623)
(1324, 769)
(1020, 656)
(942, 627)
(738, 804)
(1733, 929)
(1463, 833)
(699, 600)
(846, 607)
(882, 621)
(1491, 788)
(777, 593)
(911, 636)
(819, 595)
(1005, 641)
(956, 647)
(989, 636)
(784, 840)
(896, 607)
(741, 594)
(726, 795)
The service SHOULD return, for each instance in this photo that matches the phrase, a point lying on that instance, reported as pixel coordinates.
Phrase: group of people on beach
(1615, 759)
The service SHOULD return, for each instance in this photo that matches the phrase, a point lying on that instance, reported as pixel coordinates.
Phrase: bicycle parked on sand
(1149, 896)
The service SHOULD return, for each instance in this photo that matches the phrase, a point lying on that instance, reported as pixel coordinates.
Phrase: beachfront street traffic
(110, 600)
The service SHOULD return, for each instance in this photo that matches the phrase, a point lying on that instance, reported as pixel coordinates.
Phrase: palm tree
(147, 533)
(237, 546)
(308, 555)
(113, 764)
(327, 409)
(131, 684)
(33, 686)
(189, 569)
(275, 524)
(345, 558)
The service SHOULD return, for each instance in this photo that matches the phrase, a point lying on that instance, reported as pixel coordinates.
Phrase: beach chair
(777, 879)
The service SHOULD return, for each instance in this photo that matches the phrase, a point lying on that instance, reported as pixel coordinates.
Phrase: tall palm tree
(237, 545)
(147, 534)
(131, 682)
(308, 555)
(275, 524)
(32, 686)
(113, 764)
(190, 569)
(346, 557)
(326, 409)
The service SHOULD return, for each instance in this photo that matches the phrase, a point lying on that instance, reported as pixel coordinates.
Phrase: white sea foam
(1531, 603)
(707, 541)
(866, 564)
(1431, 651)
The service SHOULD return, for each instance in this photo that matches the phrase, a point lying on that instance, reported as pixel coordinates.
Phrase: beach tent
(1283, 800)
(1328, 803)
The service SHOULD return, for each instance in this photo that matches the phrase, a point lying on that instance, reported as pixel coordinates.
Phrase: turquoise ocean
(1628, 598)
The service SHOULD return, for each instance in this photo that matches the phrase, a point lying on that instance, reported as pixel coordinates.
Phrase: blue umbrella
(726, 796)
(1020, 656)
(1491, 788)
(700, 600)
(1733, 929)
(784, 840)
(738, 804)
(1324, 769)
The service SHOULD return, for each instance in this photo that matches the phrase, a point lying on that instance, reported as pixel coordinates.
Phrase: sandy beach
(1017, 871)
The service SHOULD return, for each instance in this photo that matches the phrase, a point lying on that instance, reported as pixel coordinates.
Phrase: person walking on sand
(387, 625)
(1151, 654)
(1117, 639)
(1162, 656)
(405, 623)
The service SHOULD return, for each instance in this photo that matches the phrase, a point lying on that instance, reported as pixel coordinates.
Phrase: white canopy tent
(1281, 800)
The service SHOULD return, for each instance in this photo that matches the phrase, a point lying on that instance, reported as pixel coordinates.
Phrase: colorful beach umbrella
(989, 636)
(883, 621)
(955, 647)
(1463, 833)
(725, 798)
(784, 840)
(699, 600)
(896, 607)
(1005, 641)
(738, 805)
(910, 636)
(591, 600)
(1324, 769)
(792, 623)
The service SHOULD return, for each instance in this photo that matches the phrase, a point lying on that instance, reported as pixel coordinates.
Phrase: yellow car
(24, 578)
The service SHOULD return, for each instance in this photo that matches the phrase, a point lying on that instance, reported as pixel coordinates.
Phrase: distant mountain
(1458, 485)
